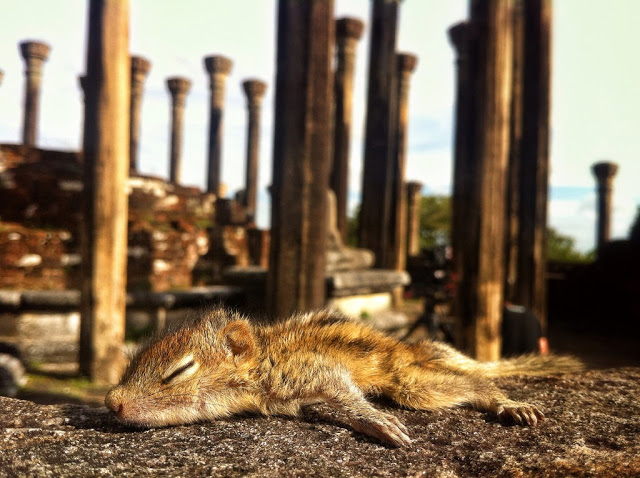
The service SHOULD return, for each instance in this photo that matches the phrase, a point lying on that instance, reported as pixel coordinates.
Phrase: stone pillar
(533, 167)
(480, 291)
(405, 65)
(462, 37)
(178, 88)
(348, 32)
(34, 54)
(218, 68)
(414, 196)
(375, 226)
(139, 70)
(106, 165)
(301, 156)
(255, 90)
(82, 82)
(604, 173)
(512, 226)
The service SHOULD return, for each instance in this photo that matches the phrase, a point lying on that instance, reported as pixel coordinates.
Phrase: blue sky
(595, 105)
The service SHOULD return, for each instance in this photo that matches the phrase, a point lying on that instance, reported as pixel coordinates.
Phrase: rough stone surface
(591, 430)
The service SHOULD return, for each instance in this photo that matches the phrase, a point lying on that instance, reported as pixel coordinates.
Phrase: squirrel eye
(185, 368)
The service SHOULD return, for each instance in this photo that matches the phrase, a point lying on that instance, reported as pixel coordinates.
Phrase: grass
(55, 387)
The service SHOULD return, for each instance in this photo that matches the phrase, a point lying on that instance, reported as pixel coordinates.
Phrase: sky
(595, 104)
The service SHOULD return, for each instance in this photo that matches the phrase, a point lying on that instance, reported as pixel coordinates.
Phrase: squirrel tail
(532, 364)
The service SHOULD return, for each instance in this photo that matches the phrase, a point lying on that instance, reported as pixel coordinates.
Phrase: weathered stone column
(375, 227)
(218, 68)
(512, 225)
(604, 173)
(462, 37)
(480, 292)
(35, 53)
(414, 195)
(301, 156)
(106, 164)
(139, 70)
(405, 65)
(533, 167)
(255, 90)
(82, 82)
(348, 32)
(178, 88)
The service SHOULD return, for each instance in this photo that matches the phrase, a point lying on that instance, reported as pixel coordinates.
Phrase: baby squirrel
(222, 364)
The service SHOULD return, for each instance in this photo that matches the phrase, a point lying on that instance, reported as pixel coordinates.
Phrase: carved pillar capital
(35, 50)
(218, 67)
(140, 68)
(255, 90)
(461, 36)
(604, 172)
(178, 87)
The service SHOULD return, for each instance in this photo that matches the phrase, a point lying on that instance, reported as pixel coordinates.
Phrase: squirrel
(222, 364)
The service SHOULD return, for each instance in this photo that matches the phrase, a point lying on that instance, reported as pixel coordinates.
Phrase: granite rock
(592, 429)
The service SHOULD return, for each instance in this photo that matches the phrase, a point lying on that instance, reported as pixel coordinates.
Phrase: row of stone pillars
(383, 215)
(502, 118)
(501, 166)
(302, 153)
(218, 67)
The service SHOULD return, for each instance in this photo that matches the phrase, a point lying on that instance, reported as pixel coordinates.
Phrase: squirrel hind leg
(432, 389)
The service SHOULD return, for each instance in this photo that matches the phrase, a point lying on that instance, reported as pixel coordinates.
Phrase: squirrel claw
(386, 428)
(520, 413)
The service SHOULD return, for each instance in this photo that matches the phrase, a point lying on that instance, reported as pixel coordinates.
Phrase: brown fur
(222, 364)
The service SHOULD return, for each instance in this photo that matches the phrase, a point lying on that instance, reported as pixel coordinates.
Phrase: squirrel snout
(114, 401)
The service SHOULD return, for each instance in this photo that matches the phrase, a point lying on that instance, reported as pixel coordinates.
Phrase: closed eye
(179, 371)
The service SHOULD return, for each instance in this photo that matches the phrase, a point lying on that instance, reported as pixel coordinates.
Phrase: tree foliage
(435, 221)
(435, 229)
(562, 248)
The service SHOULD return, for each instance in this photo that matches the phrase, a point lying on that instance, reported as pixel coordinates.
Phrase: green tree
(435, 221)
(435, 228)
(562, 248)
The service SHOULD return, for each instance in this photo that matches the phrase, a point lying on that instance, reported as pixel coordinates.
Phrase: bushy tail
(532, 365)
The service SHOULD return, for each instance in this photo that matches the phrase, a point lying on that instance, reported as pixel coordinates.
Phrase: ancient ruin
(348, 32)
(35, 53)
(73, 222)
(104, 214)
(178, 88)
(255, 90)
(140, 68)
(604, 173)
(218, 67)
(375, 227)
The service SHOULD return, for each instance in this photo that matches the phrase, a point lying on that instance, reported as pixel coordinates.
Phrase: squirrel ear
(238, 338)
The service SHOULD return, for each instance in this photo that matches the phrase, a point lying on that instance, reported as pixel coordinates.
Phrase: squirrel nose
(114, 402)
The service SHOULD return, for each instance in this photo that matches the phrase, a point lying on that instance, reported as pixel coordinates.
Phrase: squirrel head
(193, 373)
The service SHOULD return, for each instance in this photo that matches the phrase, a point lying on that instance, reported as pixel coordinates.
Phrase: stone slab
(592, 426)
